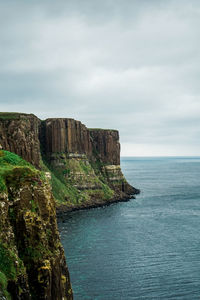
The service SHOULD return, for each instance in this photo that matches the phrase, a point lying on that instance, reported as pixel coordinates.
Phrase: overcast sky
(131, 65)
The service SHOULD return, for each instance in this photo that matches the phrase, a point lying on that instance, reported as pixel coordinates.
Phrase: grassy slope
(63, 182)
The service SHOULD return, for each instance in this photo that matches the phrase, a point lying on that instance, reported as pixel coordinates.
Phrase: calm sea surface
(148, 248)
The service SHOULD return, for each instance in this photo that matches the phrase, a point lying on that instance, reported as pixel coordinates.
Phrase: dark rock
(106, 145)
(19, 134)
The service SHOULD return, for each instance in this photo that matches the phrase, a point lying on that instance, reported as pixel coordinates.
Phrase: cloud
(130, 65)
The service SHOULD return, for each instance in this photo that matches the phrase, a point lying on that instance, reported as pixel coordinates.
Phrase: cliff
(19, 134)
(84, 163)
(32, 261)
(66, 165)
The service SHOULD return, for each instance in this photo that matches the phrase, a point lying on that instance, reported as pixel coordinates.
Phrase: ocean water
(147, 248)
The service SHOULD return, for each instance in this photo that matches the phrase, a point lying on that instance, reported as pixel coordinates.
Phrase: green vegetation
(9, 115)
(97, 129)
(3, 286)
(77, 181)
(29, 241)
(63, 192)
(10, 267)
(7, 258)
(13, 115)
(108, 193)
(15, 170)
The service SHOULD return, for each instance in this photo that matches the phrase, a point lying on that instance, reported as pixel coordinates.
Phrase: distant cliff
(32, 261)
(84, 163)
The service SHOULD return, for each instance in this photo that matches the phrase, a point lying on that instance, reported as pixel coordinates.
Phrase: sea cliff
(83, 163)
(48, 165)
(32, 260)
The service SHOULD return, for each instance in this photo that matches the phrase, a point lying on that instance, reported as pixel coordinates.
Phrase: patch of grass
(76, 173)
(63, 192)
(3, 280)
(85, 167)
(12, 115)
(7, 258)
(108, 193)
(101, 129)
(9, 115)
(15, 170)
(3, 286)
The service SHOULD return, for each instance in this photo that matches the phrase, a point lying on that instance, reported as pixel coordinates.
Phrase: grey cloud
(130, 65)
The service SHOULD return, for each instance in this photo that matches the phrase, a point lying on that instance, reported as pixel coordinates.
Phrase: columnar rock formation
(106, 145)
(66, 135)
(80, 166)
(85, 163)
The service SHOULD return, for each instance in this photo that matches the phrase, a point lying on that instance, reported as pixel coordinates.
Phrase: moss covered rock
(32, 261)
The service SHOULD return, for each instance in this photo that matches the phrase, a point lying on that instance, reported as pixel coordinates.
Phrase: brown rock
(66, 136)
(30, 229)
(106, 145)
(19, 134)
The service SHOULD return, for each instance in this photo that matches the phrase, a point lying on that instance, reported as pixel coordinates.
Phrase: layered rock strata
(84, 163)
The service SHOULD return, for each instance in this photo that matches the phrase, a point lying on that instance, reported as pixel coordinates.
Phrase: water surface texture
(148, 248)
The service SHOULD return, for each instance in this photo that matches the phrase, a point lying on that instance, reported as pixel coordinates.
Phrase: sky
(131, 65)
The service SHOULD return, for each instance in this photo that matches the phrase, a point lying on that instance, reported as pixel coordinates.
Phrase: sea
(146, 248)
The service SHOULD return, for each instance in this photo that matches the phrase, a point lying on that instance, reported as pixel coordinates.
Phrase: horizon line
(160, 156)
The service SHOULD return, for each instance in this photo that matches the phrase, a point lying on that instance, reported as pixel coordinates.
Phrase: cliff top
(101, 129)
(19, 115)
(14, 115)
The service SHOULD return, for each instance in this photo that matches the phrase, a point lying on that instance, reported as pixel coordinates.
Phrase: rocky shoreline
(63, 210)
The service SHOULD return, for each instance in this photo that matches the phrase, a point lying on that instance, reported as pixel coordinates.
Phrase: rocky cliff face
(32, 261)
(80, 166)
(66, 136)
(106, 149)
(106, 145)
(84, 163)
(19, 134)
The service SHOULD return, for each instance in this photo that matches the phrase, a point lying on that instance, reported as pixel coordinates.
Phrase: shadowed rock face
(106, 145)
(66, 136)
(19, 134)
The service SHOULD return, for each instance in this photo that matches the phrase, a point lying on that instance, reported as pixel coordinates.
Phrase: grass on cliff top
(11, 163)
(12, 115)
(9, 115)
(103, 129)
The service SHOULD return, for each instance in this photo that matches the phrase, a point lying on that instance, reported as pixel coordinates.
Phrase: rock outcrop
(32, 261)
(19, 134)
(106, 145)
(84, 163)
(74, 168)
(66, 136)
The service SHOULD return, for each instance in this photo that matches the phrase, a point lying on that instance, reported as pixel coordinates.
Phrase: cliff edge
(84, 164)
(32, 261)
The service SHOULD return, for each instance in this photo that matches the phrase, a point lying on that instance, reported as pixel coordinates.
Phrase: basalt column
(106, 149)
